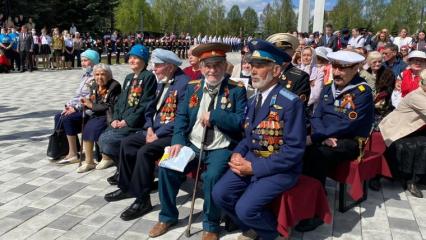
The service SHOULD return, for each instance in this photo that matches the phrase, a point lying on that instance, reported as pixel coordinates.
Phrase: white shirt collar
(265, 93)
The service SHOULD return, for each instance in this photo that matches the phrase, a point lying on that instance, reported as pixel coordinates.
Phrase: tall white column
(303, 21)
(319, 16)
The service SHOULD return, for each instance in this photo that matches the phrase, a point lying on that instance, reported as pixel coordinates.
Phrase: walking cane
(203, 141)
(82, 127)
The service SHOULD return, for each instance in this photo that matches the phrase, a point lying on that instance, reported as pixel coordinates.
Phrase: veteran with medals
(217, 104)
(341, 123)
(129, 110)
(268, 161)
(138, 152)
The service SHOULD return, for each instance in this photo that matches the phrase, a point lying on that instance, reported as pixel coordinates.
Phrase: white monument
(304, 16)
(303, 21)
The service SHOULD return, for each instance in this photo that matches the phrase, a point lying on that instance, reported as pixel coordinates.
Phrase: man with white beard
(217, 104)
(268, 161)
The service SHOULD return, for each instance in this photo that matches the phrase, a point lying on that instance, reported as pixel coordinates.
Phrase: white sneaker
(104, 164)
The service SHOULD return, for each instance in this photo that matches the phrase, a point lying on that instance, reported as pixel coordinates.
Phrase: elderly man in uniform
(217, 104)
(292, 78)
(139, 151)
(269, 159)
(343, 119)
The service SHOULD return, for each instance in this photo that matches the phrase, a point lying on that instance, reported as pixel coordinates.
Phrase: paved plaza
(41, 200)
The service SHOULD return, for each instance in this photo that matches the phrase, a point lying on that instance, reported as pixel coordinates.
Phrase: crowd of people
(290, 107)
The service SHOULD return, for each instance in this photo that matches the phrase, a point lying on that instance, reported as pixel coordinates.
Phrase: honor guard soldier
(109, 48)
(217, 104)
(292, 78)
(341, 122)
(118, 49)
(139, 151)
(268, 161)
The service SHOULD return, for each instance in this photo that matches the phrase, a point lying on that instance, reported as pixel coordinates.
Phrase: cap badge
(213, 53)
(256, 54)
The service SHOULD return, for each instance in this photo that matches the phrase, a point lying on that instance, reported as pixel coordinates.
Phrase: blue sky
(258, 5)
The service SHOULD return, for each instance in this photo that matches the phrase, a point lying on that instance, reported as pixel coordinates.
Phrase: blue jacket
(278, 128)
(349, 115)
(175, 93)
(228, 120)
(397, 67)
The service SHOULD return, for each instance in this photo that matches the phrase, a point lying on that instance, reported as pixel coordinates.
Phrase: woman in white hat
(316, 76)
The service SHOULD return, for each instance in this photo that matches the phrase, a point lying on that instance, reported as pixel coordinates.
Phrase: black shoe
(117, 195)
(307, 225)
(136, 210)
(113, 179)
(412, 188)
(374, 184)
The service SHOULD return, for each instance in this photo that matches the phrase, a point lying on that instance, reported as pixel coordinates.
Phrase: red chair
(357, 172)
(305, 200)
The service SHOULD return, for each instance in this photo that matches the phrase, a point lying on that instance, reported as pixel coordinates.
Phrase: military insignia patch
(278, 107)
(303, 98)
(361, 88)
(353, 115)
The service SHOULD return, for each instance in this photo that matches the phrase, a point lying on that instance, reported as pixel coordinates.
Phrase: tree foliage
(250, 21)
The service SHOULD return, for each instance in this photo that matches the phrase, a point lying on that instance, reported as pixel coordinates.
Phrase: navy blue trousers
(70, 123)
(137, 163)
(169, 182)
(244, 200)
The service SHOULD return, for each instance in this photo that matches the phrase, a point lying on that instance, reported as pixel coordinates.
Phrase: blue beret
(92, 55)
(140, 51)
(266, 51)
(160, 55)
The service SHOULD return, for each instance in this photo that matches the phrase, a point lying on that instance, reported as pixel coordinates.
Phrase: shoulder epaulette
(287, 94)
(361, 88)
(235, 83)
(194, 81)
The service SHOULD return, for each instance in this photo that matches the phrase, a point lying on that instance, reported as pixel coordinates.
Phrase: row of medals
(167, 113)
(270, 134)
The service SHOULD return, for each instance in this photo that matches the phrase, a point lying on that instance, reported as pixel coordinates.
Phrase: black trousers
(320, 159)
(26, 61)
(137, 163)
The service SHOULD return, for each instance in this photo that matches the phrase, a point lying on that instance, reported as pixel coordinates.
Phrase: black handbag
(58, 143)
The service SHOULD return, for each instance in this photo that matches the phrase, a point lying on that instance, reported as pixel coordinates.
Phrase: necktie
(258, 104)
(210, 130)
(160, 92)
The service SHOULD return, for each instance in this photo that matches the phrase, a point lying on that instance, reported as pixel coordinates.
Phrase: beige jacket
(408, 117)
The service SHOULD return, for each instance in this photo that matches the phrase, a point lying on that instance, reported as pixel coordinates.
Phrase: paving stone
(142, 226)
(404, 224)
(101, 237)
(47, 233)
(54, 174)
(96, 202)
(66, 222)
(397, 203)
(115, 228)
(7, 224)
(25, 213)
(22, 170)
(59, 194)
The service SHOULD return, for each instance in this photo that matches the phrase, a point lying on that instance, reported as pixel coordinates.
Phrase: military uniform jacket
(297, 82)
(227, 116)
(164, 119)
(278, 129)
(132, 108)
(348, 115)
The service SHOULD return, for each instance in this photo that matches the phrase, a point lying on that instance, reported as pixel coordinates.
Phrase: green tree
(268, 19)
(250, 21)
(128, 16)
(234, 20)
